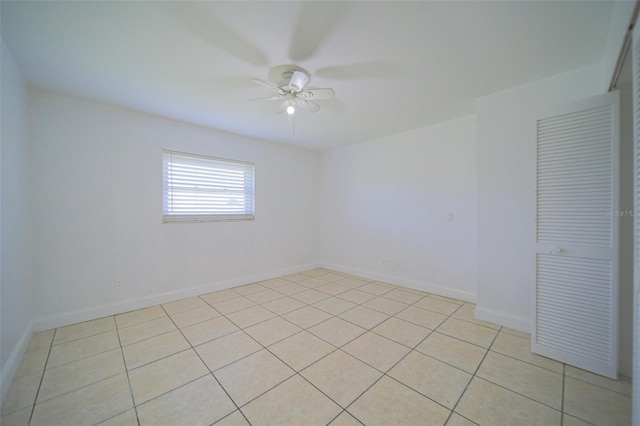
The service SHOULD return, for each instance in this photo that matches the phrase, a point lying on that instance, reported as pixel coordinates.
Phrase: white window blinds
(200, 188)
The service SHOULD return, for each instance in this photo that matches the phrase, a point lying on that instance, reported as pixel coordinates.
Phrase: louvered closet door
(576, 292)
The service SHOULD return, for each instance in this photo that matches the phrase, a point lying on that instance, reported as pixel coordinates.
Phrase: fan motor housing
(293, 80)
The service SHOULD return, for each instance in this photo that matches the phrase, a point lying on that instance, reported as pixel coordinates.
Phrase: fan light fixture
(291, 110)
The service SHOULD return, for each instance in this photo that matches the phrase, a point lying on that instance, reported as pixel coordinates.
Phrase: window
(200, 188)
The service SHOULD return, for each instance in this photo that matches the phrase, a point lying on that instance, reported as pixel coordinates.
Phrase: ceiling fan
(292, 90)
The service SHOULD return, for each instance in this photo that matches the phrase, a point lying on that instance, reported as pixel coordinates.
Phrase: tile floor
(305, 349)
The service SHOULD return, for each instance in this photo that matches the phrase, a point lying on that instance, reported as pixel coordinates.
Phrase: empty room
(319, 213)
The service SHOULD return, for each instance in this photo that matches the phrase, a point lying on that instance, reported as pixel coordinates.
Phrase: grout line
(210, 372)
(44, 370)
(564, 374)
(126, 370)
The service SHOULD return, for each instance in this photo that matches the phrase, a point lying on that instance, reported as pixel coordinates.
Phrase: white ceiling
(394, 65)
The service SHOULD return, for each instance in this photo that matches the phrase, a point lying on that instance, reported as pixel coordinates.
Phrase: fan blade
(268, 98)
(196, 19)
(308, 105)
(320, 93)
(316, 21)
(265, 84)
(373, 69)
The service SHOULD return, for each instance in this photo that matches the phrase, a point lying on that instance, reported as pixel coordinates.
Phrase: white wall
(506, 160)
(15, 254)
(96, 180)
(409, 199)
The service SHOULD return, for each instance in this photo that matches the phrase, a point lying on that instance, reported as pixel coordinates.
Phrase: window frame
(217, 163)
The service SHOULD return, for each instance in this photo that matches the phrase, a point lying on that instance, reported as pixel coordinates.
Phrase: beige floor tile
(271, 331)
(422, 317)
(149, 350)
(340, 376)
(18, 418)
(402, 295)
(82, 348)
(336, 331)
(402, 331)
(264, 296)
(250, 316)
(572, 421)
(432, 378)
(273, 283)
(391, 403)
(291, 288)
(33, 362)
(22, 394)
(145, 330)
(219, 296)
(295, 277)
(377, 351)
(83, 329)
(334, 305)
(458, 420)
(467, 312)
(446, 299)
(251, 376)
(364, 317)
(88, 405)
(232, 305)
(41, 340)
(249, 289)
(333, 289)
(284, 305)
(301, 350)
(128, 418)
(356, 296)
(184, 305)
(457, 353)
(225, 350)
(317, 272)
(310, 296)
(293, 402)
(387, 306)
(622, 385)
(139, 316)
(472, 333)
(330, 277)
(307, 316)
(516, 333)
(488, 404)
(234, 419)
(208, 330)
(596, 404)
(376, 288)
(76, 374)
(159, 377)
(517, 347)
(345, 419)
(317, 282)
(533, 382)
(201, 402)
(352, 282)
(194, 316)
(439, 306)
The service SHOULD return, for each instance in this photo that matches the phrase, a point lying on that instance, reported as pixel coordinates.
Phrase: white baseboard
(500, 318)
(405, 282)
(101, 311)
(10, 368)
